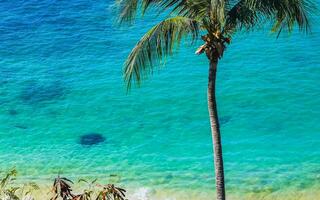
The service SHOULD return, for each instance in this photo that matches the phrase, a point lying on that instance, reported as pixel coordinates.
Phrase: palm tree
(215, 22)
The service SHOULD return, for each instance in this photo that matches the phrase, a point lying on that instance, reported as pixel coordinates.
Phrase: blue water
(61, 78)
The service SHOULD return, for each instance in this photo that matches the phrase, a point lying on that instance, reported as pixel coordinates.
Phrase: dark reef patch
(35, 93)
(224, 120)
(91, 139)
(20, 126)
(12, 112)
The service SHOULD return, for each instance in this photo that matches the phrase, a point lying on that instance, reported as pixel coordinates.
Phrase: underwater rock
(36, 93)
(91, 139)
(20, 126)
(12, 112)
(225, 119)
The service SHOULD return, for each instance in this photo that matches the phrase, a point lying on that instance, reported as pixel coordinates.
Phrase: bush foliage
(62, 189)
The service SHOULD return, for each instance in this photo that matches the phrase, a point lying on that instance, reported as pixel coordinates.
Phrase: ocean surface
(61, 79)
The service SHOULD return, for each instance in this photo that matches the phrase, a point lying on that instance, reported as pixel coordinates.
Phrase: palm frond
(128, 8)
(177, 7)
(191, 9)
(157, 43)
(196, 9)
(239, 16)
(287, 12)
(217, 11)
(284, 14)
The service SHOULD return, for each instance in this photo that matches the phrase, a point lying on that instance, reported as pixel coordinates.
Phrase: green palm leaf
(284, 14)
(191, 9)
(128, 8)
(157, 43)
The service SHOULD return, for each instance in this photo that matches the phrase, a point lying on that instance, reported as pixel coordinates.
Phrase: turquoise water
(60, 78)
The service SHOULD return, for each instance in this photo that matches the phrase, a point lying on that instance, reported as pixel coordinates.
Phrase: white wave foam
(141, 194)
(147, 194)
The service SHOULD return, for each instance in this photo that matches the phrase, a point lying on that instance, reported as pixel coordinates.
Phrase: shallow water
(60, 79)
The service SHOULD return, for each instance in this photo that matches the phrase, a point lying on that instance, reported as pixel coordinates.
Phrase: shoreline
(167, 191)
(148, 193)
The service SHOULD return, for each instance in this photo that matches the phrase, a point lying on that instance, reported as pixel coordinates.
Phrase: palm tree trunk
(215, 130)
